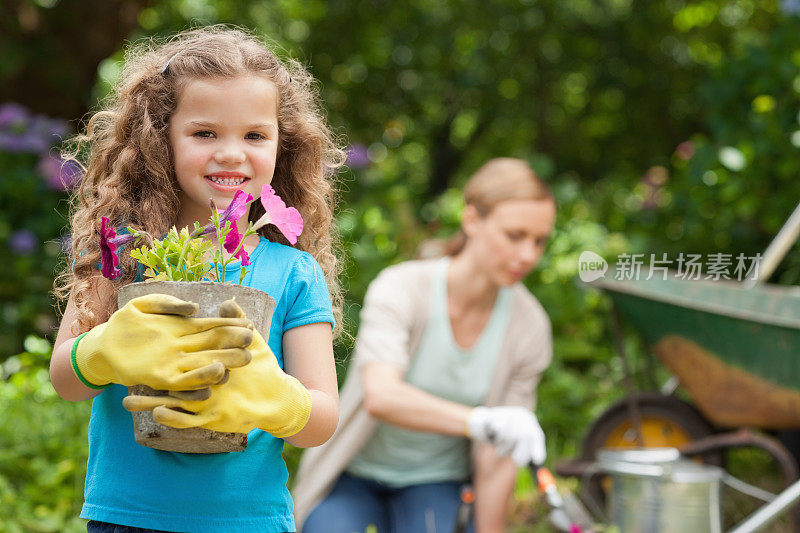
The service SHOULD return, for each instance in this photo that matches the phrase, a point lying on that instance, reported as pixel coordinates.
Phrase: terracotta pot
(257, 305)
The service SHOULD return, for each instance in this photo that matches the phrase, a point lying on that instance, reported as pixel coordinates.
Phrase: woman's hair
(498, 180)
(129, 173)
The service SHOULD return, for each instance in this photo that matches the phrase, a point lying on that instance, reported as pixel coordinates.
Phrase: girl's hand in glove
(260, 395)
(512, 430)
(153, 341)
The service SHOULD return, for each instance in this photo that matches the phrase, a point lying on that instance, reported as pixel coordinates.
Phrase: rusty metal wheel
(666, 421)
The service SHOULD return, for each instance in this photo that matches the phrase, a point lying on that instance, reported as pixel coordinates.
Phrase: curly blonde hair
(129, 174)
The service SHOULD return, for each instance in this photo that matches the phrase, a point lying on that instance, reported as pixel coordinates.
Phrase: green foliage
(176, 257)
(32, 217)
(664, 127)
(43, 447)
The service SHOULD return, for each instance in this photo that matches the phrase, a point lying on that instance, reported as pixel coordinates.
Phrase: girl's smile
(224, 137)
(227, 181)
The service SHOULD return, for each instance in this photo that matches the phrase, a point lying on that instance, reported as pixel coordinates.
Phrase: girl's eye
(515, 235)
(204, 134)
(255, 136)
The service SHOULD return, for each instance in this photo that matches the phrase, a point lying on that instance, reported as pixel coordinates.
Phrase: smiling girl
(207, 114)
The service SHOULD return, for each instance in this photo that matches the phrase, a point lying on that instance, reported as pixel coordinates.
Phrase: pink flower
(286, 219)
(109, 241)
(232, 241)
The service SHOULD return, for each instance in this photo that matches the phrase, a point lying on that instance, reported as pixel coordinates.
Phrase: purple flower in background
(13, 116)
(23, 242)
(61, 174)
(25, 143)
(791, 7)
(49, 130)
(357, 156)
(23, 133)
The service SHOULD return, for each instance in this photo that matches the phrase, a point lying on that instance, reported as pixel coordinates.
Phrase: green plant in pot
(190, 264)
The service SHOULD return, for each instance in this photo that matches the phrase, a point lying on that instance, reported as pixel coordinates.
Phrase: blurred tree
(50, 49)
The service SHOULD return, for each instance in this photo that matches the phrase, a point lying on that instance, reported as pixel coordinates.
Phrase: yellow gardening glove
(152, 341)
(259, 395)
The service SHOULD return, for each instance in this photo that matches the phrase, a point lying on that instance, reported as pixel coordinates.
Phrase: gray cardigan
(395, 312)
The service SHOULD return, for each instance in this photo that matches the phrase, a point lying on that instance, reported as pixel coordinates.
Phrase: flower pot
(257, 305)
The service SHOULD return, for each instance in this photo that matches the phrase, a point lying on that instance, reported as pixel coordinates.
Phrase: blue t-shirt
(133, 485)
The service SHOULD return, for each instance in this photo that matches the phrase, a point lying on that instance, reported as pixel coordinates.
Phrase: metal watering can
(655, 490)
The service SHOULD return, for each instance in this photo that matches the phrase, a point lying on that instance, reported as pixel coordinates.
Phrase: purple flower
(13, 115)
(22, 143)
(790, 7)
(61, 174)
(109, 241)
(236, 208)
(234, 211)
(49, 130)
(22, 132)
(23, 242)
(357, 156)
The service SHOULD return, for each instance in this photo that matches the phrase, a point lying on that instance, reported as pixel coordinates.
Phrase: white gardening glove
(512, 430)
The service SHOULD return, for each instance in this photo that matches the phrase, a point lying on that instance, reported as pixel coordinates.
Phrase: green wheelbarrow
(734, 348)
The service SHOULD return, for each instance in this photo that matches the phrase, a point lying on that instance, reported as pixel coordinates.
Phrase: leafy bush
(32, 215)
(43, 447)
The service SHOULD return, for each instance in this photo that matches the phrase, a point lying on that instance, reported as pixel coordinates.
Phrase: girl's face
(507, 243)
(224, 137)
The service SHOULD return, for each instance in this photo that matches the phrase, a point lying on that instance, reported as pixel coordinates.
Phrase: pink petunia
(232, 241)
(109, 241)
(286, 219)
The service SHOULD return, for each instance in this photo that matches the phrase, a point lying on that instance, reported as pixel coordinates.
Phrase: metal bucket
(654, 490)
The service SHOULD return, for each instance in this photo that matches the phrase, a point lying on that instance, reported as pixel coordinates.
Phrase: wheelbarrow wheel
(666, 421)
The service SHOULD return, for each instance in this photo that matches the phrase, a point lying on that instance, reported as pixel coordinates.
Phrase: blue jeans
(354, 503)
(104, 527)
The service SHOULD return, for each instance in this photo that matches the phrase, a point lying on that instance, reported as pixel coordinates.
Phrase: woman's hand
(512, 430)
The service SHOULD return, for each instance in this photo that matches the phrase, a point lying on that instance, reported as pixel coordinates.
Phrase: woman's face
(507, 243)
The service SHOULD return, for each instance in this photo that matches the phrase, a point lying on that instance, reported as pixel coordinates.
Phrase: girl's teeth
(227, 181)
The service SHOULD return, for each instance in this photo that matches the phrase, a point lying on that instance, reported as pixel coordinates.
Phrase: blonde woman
(442, 383)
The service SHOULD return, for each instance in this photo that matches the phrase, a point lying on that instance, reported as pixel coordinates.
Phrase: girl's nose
(229, 155)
